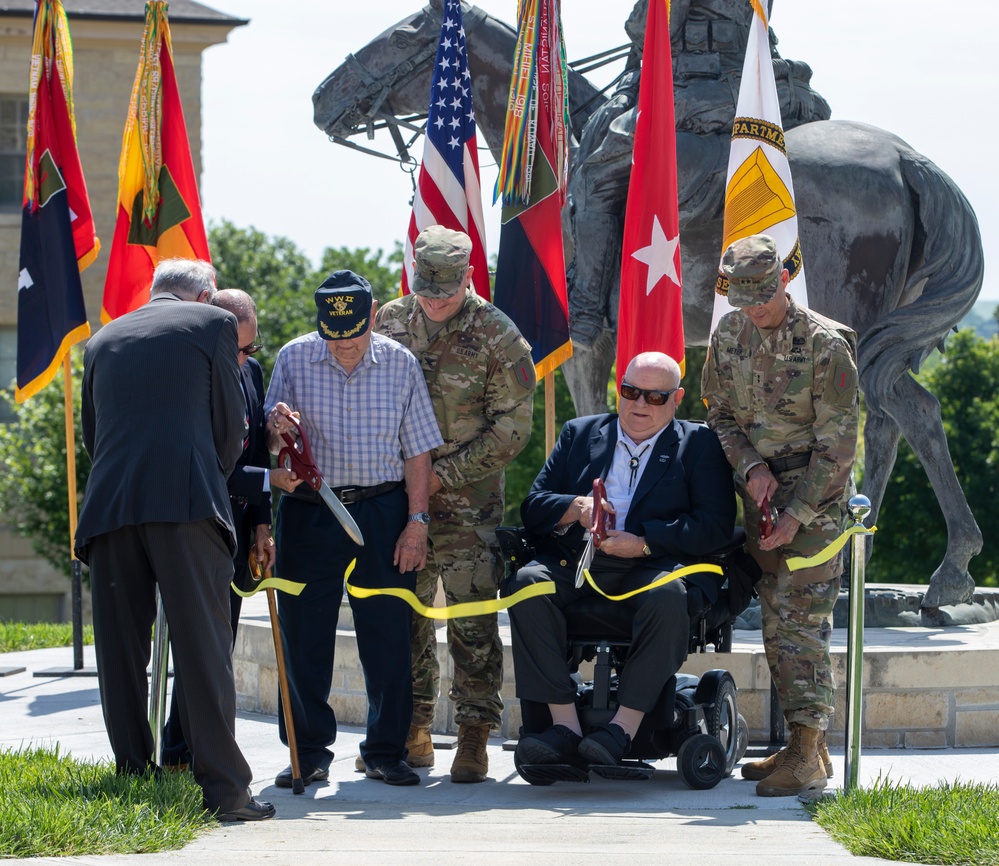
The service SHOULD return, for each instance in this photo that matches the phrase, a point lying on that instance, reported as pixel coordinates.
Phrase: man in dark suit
(249, 493)
(670, 490)
(163, 420)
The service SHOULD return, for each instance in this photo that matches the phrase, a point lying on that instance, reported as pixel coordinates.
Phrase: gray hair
(237, 302)
(185, 278)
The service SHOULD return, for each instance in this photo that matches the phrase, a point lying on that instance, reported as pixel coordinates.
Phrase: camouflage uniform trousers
(466, 560)
(796, 610)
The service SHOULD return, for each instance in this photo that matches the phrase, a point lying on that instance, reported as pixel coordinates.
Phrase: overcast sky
(908, 67)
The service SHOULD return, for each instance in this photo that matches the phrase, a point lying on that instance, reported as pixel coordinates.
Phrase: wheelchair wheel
(528, 777)
(701, 762)
(717, 693)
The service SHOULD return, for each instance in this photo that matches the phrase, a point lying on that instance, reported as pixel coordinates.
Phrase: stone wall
(922, 688)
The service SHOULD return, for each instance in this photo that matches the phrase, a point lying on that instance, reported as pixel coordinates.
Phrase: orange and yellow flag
(159, 211)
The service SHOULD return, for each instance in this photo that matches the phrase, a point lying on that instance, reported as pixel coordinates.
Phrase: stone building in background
(106, 37)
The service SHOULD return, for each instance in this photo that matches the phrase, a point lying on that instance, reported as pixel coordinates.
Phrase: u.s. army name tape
(823, 556)
(468, 608)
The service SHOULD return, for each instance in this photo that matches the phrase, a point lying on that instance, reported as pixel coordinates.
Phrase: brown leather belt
(347, 495)
(791, 461)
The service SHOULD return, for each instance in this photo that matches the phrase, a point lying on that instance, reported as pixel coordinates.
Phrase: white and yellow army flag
(759, 196)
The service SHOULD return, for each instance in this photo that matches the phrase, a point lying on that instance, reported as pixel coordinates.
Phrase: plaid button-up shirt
(361, 426)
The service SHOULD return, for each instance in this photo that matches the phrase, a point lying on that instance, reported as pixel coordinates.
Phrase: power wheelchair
(695, 719)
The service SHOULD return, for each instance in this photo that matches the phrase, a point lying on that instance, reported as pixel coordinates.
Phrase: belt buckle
(344, 492)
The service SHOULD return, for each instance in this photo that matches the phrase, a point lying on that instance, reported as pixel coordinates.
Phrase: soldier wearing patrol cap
(781, 387)
(362, 402)
(481, 378)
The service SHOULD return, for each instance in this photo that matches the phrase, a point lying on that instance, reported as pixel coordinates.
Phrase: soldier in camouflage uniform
(481, 379)
(781, 389)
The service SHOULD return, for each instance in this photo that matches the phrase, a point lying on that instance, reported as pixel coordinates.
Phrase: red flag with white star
(650, 310)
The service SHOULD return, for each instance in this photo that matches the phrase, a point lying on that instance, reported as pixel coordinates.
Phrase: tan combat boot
(471, 763)
(801, 770)
(421, 747)
(757, 771)
(824, 757)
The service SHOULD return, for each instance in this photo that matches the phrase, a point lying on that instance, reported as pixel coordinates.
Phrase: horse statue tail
(946, 270)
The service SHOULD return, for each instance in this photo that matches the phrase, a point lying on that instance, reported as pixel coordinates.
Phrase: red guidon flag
(650, 311)
(58, 239)
(159, 212)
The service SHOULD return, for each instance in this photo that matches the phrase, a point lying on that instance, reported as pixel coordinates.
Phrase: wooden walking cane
(297, 785)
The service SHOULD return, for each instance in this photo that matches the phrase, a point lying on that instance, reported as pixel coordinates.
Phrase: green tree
(276, 273)
(382, 271)
(520, 474)
(34, 493)
(912, 537)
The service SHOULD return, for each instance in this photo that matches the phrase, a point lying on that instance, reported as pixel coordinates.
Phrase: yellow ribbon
(659, 581)
(828, 552)
(468, 608)
(257, 571)
(278, 583)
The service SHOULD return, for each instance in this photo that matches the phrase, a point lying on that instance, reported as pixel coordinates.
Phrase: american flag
(447, 192)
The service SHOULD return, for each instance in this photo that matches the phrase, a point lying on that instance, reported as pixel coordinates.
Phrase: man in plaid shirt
(363, 403)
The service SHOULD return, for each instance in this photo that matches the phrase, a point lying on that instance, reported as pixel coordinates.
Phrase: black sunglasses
(252, 349)
(653, 398)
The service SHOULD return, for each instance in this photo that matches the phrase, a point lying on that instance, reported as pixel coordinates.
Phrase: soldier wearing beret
(481, 378)
(362, 402)
(781, 387)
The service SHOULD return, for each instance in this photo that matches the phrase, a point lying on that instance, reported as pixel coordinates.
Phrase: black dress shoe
(394, 773)
(254, 810)
(310, 774)
(557, 745)
(605, 746)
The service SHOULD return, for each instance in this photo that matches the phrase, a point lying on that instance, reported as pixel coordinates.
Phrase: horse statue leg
(944, 280)
(598, 190)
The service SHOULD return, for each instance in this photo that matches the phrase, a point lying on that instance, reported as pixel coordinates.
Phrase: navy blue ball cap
(343, 304)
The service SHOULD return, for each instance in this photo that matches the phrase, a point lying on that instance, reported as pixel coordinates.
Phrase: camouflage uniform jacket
(481, 380)
(791, 391)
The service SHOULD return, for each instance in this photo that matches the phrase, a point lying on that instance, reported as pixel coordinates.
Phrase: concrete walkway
(351, 819)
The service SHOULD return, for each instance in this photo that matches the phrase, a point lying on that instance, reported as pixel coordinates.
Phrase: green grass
(57, 806)
(18, 636)
(953, 824)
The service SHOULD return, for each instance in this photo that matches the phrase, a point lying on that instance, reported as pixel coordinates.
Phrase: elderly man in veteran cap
(481, 378)
(781, 389)
(362, 401)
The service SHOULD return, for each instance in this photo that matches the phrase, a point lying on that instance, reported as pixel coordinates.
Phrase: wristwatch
(420, 517)
(646, 550)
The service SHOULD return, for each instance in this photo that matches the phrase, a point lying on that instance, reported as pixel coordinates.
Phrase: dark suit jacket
(250, 500)
(163, 418)
(684, 504)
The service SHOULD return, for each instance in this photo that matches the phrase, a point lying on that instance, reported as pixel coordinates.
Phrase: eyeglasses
(252, 349)
(653, 398)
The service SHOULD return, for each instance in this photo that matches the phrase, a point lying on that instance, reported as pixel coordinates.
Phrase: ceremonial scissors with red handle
(297, 456)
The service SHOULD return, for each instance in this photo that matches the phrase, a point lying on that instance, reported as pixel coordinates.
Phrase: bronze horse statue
(891, 246)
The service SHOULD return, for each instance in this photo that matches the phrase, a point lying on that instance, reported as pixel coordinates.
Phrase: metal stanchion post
(157, 687)
(859, 507)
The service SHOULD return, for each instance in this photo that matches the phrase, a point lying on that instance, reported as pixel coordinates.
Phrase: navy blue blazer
(684, 504)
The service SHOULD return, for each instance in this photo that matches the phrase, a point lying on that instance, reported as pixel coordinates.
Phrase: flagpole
(77, 579)
(549, 381)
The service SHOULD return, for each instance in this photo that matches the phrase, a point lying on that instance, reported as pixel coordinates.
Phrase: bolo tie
(633, 462)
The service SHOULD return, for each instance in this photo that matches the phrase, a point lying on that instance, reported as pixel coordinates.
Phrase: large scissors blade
(297, 455)
(341, 513)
